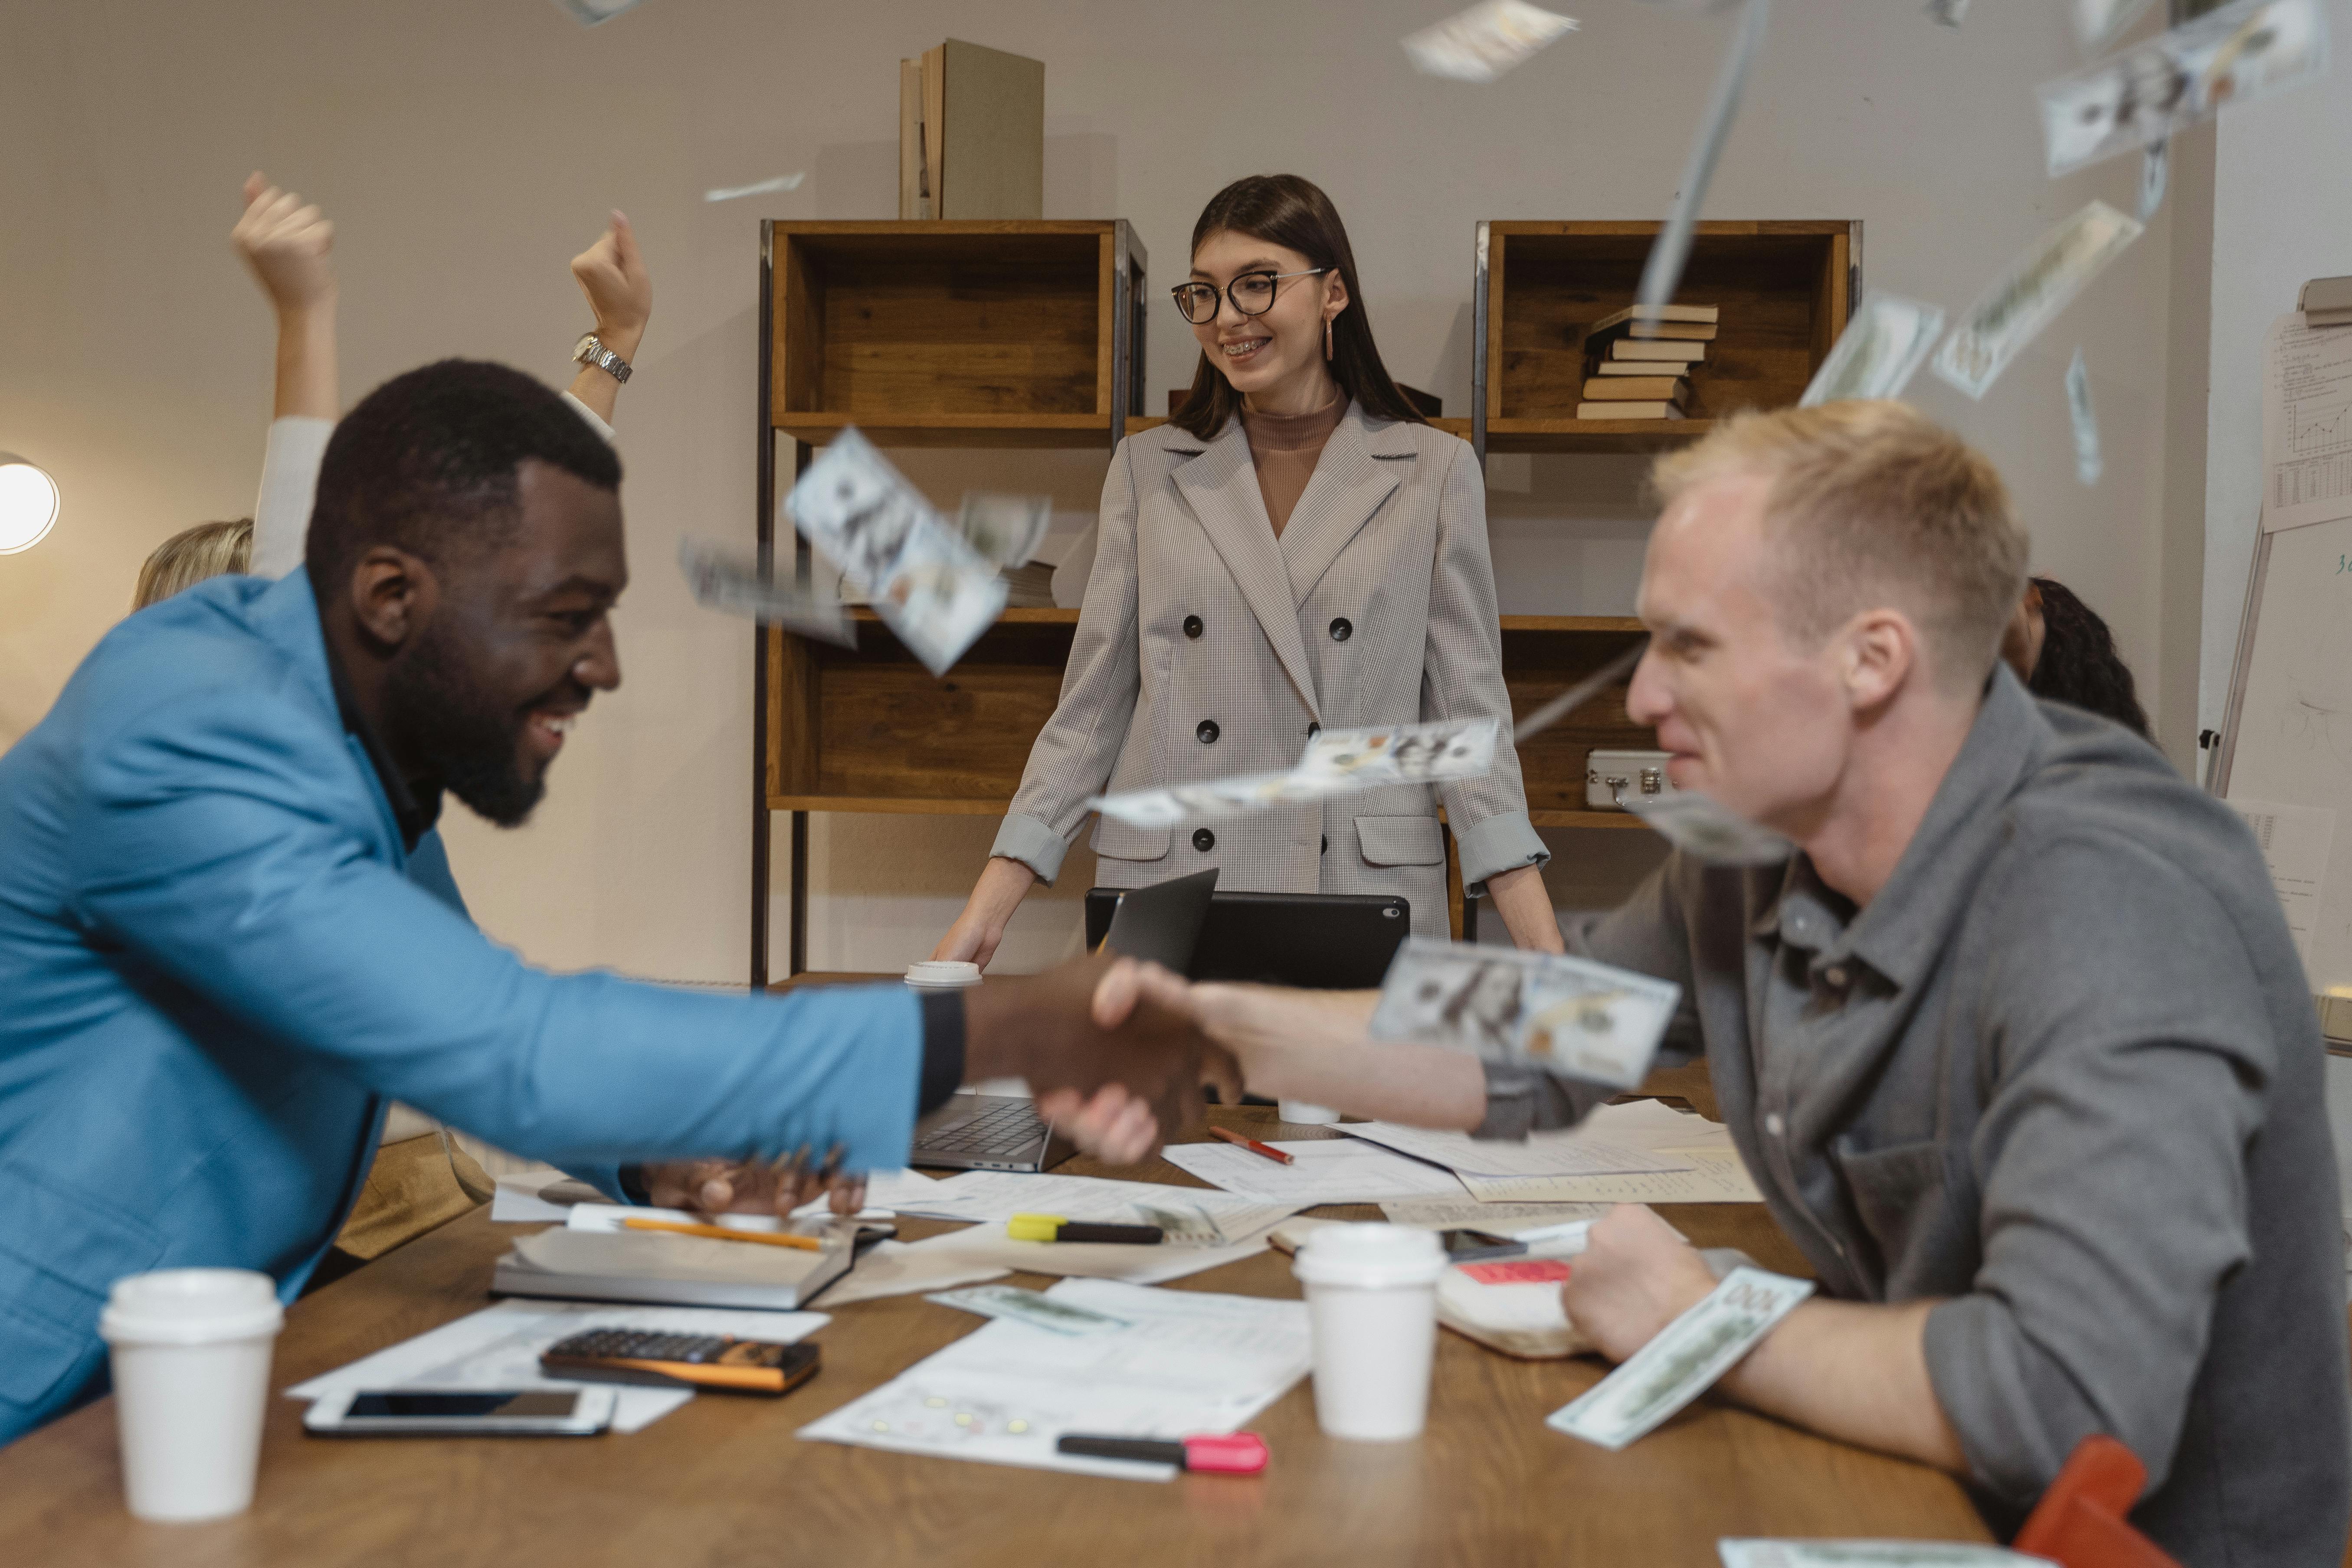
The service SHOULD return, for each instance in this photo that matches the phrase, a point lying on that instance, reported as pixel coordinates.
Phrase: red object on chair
(2079, 1522)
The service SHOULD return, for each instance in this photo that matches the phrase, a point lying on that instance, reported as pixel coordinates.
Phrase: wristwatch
(588, 351)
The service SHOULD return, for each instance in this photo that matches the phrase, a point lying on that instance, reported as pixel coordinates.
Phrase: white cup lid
(1371, 1257)
(191, 1306)
(942, 972)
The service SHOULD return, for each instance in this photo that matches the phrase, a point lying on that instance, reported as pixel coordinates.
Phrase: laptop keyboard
(1002, 1131)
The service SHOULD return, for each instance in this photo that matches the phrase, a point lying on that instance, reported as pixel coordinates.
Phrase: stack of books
(1638, 362)
(1031, 586)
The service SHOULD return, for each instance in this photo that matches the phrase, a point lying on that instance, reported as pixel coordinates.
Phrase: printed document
(2306, 423)
(1323, 1171)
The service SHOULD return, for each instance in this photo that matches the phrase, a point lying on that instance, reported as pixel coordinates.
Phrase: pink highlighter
(1239, 1453)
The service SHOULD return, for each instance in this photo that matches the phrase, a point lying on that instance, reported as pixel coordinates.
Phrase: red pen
(1239, 1453)
(1252, 1145)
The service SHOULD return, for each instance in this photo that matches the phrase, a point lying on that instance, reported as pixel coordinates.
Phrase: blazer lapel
(1355, 474)
(1221, 485)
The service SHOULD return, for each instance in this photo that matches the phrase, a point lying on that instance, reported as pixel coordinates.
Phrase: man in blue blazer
(218, 961)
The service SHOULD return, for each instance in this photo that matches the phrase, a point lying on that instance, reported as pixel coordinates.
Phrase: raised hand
(288, 244)
(612, 273)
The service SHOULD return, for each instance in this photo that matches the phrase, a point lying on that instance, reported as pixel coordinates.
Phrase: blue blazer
(217, 965)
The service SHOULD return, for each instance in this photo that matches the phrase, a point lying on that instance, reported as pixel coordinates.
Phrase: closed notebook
(667, 1271)
(1628, 411)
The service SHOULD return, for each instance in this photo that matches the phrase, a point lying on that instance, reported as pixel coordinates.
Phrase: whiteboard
(2288, 736)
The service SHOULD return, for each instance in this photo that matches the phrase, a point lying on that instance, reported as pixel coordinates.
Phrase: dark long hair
(1285, 210)
(2079, 664)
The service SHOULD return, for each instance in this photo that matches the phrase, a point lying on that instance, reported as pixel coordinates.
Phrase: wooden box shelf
(1786, 289)
(956, 333)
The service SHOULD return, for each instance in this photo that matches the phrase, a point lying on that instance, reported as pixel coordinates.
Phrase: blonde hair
(1872, 504)
(190, 556)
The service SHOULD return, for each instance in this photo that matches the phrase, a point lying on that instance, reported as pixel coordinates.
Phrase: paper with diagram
(2306, 423)
(2295, 841)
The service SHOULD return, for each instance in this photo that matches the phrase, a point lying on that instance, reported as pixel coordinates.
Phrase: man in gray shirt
(2014, 1040)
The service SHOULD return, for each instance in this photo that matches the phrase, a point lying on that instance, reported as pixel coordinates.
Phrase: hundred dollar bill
(1663, 270)
(1571, 1017)
(2087, 465)
(1683, 1361)
(936, 592)
(1005, 529)
(1879, 351)
(1484, 41)
(1753, 1554)
(588, 13)
(2098, 23)
(1948, 13)
(2235, 55)
(756, 188)
(1703, 830)
(720, 580)
(1338, 761)
(1033, 1308)
(2028, 297)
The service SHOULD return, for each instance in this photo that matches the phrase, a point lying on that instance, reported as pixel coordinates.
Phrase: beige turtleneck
(1284, 447)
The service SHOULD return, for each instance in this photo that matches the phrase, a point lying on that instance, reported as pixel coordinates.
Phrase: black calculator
(695, 1360)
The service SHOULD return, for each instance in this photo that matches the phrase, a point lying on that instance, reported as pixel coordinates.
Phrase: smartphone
(462, 1412)
(1474, 1246)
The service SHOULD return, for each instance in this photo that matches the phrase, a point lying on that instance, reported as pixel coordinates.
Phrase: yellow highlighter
(1053, 1228)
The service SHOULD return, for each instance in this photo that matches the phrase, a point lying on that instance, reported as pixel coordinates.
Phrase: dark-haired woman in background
(2061, 650)
(1296, 550)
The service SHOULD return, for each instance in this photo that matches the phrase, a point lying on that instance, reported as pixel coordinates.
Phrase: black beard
(446, 721)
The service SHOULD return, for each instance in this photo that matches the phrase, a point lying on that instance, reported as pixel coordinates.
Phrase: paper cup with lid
(191, 1351)
(1371, 1305)
(942, 974)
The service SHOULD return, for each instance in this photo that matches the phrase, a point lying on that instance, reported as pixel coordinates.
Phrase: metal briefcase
(1611, 777)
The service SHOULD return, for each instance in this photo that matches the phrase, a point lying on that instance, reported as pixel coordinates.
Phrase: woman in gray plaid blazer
(1230, 617)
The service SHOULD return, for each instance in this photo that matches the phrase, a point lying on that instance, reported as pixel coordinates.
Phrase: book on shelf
(1703, 315)
(1629, 411)
(1029, 587)
(1638, 388)
(1622, 349)
(1627, 324)
(1638, 368)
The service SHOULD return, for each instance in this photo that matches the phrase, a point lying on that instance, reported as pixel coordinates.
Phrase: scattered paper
(499, 1347)
(2235, 55)
(2306, 423)
(1757, 1554)
(1485, 41)
(757, 188)
(1696, 825)
(516, 1198)
(1035, 1307)
(1663, 270)
(1682, 1360)
(733, 585)
(1571, 1017)
(1337, 762)
(987, 1246)
(2155, 174)
(589, 13)
(2028, 296)
(1879, 351)
(2295, 841)
(2098, 23)
(1007, 529)
(1326, 1170)
(902, 1269)
(1190, 1216)
(936, 592)
(1578, 695)
(1715, 1178)
(2087, 462)
(1570, 1153)
(1193, 1363)
(1497, 1219)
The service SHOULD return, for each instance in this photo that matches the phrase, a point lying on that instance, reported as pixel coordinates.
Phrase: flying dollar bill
(723, 581)
(756, 188)
(1484, 41)
(936, 592)
(1947, 13)
(2028, 297)
(1337, 762)
(588, 13)
(1005, 529)
(1570, 1016)
(2235, 55)
(2098, 23)
(1757, 1554)
(1879, 351)
(1663, 272)
(1703, 830)
(2087, 463)
(1683, 1361)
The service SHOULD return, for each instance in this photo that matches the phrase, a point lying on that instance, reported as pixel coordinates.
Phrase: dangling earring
(1326, 337)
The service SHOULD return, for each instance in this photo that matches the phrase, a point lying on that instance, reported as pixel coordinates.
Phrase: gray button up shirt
(2065, 1073)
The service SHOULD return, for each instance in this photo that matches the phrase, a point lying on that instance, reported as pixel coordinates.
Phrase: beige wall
(466, 148)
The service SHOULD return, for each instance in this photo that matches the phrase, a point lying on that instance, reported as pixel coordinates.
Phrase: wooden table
(725, 1481)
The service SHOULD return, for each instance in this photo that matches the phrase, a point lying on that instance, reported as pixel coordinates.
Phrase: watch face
(582, 348)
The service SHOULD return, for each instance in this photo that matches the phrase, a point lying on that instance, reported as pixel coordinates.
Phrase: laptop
(982, 1132)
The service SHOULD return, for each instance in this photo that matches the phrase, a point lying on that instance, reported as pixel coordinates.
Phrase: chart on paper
(2306, 424)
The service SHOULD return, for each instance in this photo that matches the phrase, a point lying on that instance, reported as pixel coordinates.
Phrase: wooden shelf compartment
(1542, 657)
(1786, 289)
(956, 333)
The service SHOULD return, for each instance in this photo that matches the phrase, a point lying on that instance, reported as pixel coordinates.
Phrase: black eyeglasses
(1251, 294)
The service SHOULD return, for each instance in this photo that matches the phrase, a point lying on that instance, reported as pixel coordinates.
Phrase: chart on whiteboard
(2306, 424)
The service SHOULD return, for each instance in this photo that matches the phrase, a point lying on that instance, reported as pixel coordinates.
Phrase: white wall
(468, 147)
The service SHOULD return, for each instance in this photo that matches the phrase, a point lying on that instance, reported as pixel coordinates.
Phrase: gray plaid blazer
(1207, 648)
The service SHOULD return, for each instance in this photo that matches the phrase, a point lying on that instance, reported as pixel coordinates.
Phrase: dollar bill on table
(1571, 1016)
(1879, 351)
(2038, 285)
(588, 13)
(2235, 55)
(2087, 463)
(1663, 272)
(1696, 825)
(936, 592)
(1005, 529)
(1484, 41)
(2098, 23)
(1033, 1308)
(1683, 1361)
(1756, 1553)
(1337, 762)
(2155, 174)
(733, 585)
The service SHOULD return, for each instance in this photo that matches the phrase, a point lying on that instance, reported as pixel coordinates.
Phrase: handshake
(1113, 1051)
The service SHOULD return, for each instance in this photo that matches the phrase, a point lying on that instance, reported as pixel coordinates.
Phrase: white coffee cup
(1306, 1113)
(1371, 1304)
(191, 1353)
(942, 974)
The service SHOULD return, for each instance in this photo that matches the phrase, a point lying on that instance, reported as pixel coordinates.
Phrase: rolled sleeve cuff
(290, 480)
(1986, 1397)
(595, 420)
(1034, 843)
(1504, 842)
(942, 1050)
(1521, 1099)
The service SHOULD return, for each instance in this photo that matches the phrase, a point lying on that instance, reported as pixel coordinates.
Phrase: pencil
(723, 1233)
(1252, 1145)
